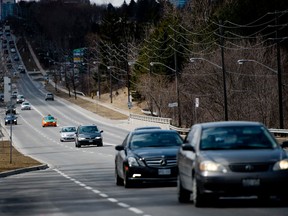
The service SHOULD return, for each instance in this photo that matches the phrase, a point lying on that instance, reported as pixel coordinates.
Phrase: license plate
(251, 182)
(164, 172)
(90, 141)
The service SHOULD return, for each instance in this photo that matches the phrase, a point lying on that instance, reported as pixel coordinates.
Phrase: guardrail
(182, 131)
(279, 132)
(151, 119)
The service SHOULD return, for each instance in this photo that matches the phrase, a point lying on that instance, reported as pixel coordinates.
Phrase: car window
(88, 129)
(155, 140)
(229, 138)
(68, 129)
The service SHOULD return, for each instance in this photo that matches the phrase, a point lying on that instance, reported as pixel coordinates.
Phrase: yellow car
(49, 121)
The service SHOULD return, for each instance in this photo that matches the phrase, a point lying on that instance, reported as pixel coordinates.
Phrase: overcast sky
(115, 3)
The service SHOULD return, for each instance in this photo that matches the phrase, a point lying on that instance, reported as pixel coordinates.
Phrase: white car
(26, 106)
(67, 133)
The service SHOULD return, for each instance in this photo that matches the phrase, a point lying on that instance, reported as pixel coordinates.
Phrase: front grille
(161, 162)
(249, 167)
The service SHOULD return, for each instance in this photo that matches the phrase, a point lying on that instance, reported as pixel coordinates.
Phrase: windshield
(69, 129)
(89, 129)
(240, 137)
(155, 139)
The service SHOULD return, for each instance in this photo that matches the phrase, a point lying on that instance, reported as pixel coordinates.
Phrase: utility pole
(224, 72)
(279, 74)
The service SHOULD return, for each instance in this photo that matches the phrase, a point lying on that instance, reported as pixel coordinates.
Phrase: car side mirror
(101, 131)
(284, 144)
(187, 147)
(119, 147)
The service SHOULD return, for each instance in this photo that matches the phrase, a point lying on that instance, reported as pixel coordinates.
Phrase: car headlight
(210, 166)
(135, 162)
(98, 137)
(281, 165)
(81, 138)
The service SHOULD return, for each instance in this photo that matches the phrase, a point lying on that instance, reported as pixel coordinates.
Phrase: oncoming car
(88, 135)
(49, 120)
(10, 119)
(67, 133)
(26, 106)
(231, 159)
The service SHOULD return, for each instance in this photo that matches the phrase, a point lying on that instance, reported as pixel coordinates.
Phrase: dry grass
(119, 101)
(18, 160)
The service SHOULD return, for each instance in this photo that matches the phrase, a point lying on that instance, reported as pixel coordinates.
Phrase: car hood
(244, 156)
(67, 133)
(156, 152)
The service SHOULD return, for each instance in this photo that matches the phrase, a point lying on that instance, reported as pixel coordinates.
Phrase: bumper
(246, 184)
(98, 142)
(152, 174)
(49, 124)
(67, 139)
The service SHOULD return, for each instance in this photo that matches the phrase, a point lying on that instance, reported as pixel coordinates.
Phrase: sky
(115, 3)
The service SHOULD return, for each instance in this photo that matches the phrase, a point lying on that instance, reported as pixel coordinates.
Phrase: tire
(100, 145)
(118, 180)
(197, 197)
(183, 194)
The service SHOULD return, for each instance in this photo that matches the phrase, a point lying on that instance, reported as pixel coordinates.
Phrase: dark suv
(88, 135)
(49, 96)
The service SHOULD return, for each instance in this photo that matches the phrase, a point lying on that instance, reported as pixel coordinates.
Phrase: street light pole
(224, 83)
(110, 75)
(280, 99)
(176, 87)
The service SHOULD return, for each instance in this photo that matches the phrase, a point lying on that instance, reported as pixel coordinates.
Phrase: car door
(186, 158)
(121, 156)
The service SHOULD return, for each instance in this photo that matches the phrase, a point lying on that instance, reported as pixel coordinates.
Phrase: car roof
(229, 123)
(153, 131)
(147, 128)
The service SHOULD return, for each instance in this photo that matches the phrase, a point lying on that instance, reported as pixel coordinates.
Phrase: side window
(192, 137)
(124, 143)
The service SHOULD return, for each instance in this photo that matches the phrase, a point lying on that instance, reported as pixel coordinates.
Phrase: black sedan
(10, 119)
(226, 159)
(147, 155)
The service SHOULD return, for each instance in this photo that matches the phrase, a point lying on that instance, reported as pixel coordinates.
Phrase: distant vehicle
(12, 50)
(10, 119)
(49, 96)
(20, 99)
(88, 135)
(14, 95)
(1, 97)
(228, 159)
(147, 156)
(25, 106)
(49, 120)
(67, 133)
(10, 109)
(147, 128)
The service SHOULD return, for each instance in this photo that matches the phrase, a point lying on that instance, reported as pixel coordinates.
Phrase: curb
(23, 170)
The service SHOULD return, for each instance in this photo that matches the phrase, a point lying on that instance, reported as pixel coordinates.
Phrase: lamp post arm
(241, 61)
(203, 59)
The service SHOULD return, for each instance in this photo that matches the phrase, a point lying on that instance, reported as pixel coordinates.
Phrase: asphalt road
(81, 181)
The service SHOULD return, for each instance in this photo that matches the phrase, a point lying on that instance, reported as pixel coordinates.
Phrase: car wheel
(15, 123)
(99, 145)
(118, 180)
(183, 194)
(197, 197)
(127, 183)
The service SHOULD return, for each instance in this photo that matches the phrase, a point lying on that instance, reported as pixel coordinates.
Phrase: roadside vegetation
(215, 33)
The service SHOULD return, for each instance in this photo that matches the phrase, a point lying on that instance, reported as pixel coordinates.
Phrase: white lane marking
(136, 210)
(124, 205)
(110, 199)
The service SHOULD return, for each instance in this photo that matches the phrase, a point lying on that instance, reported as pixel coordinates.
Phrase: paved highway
(81, 181)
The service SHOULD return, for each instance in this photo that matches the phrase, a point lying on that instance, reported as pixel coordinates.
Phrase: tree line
(194, 53)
